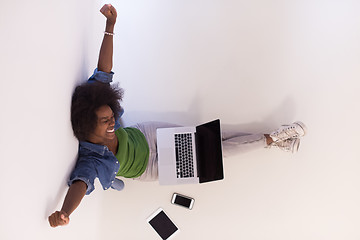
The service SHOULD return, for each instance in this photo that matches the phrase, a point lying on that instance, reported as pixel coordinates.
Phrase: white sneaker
(288, 145)
(295, 130)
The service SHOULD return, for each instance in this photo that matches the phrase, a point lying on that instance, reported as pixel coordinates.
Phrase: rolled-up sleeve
(101, 76)
(86, 172)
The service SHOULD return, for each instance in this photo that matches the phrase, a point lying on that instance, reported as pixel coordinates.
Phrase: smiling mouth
(111, 130)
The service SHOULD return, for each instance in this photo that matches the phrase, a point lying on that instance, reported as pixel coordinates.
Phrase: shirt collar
(99, 149)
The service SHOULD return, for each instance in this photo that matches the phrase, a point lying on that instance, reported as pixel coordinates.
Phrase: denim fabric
(97, 161)
(118, 184)
(100, 76)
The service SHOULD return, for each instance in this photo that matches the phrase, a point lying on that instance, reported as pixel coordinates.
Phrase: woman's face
(104, 131)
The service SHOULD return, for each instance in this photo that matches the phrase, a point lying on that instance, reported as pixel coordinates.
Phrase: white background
(254, 64)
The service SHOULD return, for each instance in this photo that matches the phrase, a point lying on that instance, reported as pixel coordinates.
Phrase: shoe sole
(302, 126)
(296, 145)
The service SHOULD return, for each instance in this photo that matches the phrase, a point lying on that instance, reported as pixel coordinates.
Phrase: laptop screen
(209, 152)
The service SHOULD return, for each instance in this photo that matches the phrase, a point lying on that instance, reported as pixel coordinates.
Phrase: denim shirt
(94, 160)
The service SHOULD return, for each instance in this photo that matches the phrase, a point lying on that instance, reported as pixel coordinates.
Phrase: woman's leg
(286, 138)
(233, 143)
(236, 143)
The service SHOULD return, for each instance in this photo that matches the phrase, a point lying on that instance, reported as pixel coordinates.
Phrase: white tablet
(162, 224)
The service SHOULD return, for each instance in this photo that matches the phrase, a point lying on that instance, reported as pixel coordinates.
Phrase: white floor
(254, 64)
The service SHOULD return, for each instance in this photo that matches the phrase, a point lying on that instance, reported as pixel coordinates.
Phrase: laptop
(190, 155)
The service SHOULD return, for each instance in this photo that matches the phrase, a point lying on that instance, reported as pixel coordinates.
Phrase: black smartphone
(182, 200)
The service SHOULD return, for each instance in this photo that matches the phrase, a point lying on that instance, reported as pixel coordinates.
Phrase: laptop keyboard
(184, 155)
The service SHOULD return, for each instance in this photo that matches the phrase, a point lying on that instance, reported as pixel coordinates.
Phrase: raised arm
(78, 189)
(106, 50)
(72, 200)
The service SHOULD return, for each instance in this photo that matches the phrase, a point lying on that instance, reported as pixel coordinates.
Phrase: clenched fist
(109, 12)
(59, 219)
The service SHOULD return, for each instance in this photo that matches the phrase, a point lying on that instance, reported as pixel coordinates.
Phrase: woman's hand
(59, 218)
(110, 13)
(106, 49)
(75, 194)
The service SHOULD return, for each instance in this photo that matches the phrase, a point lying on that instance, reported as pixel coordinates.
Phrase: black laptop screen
(209, 152)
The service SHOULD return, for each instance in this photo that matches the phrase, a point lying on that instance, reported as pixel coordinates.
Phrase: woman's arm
(78, 189)
(106, 50)
(72, 200)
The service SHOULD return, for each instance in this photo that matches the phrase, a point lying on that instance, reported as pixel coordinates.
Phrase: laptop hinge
(197, 155)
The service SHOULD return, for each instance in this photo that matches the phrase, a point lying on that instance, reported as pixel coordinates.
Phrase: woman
(106, 150)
